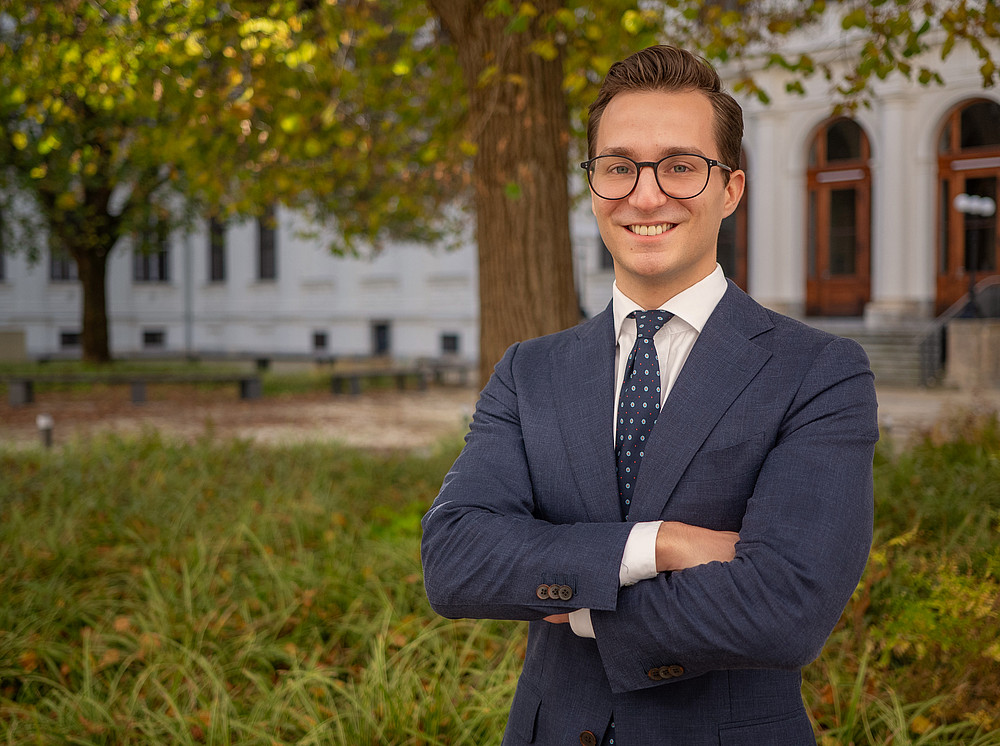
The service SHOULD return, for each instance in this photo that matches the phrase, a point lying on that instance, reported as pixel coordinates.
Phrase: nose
(647, 193)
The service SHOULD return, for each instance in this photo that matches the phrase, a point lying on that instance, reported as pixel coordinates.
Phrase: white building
(847, 222)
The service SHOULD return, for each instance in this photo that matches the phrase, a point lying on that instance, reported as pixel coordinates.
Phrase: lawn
(154, 591)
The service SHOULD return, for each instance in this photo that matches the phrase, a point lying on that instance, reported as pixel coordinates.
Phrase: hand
(557, 619)
(681, 545)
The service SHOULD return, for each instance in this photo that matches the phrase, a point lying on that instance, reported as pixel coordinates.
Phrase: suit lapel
(582, 370)
(721, 364)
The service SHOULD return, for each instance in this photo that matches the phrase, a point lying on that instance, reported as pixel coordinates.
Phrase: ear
(734, 192)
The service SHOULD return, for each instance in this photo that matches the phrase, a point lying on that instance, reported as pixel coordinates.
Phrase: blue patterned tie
(639, 402)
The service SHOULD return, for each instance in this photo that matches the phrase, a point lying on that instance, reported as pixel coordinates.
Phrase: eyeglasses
(680, 176)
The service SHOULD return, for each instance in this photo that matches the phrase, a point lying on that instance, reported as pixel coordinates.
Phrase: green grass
(154, 592)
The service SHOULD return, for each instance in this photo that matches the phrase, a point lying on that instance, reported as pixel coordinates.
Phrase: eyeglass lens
(680, 176)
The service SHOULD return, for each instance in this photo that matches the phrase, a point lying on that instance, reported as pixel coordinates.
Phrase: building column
(897, 254)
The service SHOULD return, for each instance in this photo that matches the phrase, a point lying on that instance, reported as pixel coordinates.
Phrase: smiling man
(677, 493)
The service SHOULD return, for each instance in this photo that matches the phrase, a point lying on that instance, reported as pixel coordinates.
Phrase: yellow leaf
(20, 140)
(921, 725)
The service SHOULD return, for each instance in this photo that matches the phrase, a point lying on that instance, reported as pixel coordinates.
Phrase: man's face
(680, 249)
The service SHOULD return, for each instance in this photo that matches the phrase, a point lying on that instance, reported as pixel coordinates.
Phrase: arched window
(838, 276)
(968, 163)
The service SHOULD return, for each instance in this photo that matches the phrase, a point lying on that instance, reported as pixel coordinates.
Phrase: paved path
(387, 419)
(908, 412)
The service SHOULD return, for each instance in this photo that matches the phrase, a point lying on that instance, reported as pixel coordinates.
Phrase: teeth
(650, 230)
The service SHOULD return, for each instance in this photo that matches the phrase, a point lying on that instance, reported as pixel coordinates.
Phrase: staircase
(895, 354)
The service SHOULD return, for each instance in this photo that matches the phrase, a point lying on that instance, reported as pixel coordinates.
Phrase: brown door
(838, 277)
(968, 163)
(733, 238)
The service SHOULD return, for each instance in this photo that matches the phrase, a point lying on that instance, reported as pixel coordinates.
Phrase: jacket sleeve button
(654, 674)
(542, 592)
(565, 593)
(588, 739)
(675, 671)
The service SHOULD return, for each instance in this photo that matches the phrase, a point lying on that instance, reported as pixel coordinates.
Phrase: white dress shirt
(691, 309)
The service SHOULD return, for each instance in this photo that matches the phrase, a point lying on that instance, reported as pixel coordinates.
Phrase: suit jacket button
(654, 674)
(565, 593)
(675, 671)
(542, 592)
(553, 592)
(588, 739)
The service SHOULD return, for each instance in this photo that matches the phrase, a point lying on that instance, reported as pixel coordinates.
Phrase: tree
(111, 110)
(384, 118)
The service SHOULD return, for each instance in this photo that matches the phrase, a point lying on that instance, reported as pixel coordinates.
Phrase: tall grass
(155, 592)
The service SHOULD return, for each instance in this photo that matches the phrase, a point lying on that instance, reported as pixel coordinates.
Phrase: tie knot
(648, 323)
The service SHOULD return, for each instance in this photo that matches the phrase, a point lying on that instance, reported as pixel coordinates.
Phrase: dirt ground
(390, 420)
(384, 420)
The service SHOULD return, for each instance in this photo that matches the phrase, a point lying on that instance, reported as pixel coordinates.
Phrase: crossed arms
(761, 592)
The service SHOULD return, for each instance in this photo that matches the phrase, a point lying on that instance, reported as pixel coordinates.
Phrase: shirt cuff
(639, 557)
(581, 623)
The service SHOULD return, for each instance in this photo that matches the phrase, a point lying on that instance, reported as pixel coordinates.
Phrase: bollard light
(45, 424)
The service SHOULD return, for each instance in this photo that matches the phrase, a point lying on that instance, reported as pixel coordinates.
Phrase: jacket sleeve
(486, 553)
(804, 542)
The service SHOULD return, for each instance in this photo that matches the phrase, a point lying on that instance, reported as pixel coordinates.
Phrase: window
(606, 260)
(838, 221)
(267, 246)
(449, 344)
(319, 341)
(216, 251)
(151, 257)
(968, 163)
(154, 339)
(381, 342)
(3, 263)
(69, 340)
(62, 268)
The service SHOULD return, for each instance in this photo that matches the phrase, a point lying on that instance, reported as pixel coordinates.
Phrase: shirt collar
(693, 305)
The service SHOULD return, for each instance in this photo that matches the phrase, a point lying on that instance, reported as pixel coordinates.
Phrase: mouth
(650, 230)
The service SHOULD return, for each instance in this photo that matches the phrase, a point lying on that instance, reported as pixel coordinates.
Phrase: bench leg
(250, 388)
(20, 393)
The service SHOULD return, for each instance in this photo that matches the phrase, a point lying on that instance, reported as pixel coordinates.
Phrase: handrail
(932, 346)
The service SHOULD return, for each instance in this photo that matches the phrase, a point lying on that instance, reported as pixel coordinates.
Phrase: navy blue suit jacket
(769, 430)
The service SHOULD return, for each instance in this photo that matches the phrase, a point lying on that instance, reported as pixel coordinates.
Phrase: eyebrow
(632, 153)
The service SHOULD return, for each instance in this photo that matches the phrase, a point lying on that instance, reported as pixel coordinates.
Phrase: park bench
(420, 374)
(21, 388)
(352, 380)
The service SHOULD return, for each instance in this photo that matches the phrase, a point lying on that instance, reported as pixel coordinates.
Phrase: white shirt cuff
(581, 623)
(638, 563)
(639, 557)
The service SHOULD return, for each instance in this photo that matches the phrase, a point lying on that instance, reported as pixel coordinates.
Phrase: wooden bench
(21, 388)
(421, 373)
(351, 380)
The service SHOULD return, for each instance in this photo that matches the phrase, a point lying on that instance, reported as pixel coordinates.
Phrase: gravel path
(385, 420)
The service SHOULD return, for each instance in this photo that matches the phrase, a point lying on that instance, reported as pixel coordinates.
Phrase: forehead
(657, 121)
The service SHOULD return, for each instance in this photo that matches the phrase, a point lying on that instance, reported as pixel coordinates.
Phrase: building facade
(845, 218)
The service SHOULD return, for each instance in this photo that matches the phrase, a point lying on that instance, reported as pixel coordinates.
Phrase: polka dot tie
(639, 402)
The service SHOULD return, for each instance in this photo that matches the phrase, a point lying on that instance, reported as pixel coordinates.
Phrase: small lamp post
(982, 208)
(45, 424)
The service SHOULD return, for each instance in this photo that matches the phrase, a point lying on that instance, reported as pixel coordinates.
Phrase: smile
(650, 230)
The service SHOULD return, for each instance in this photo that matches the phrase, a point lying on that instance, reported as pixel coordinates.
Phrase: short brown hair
(665, 68)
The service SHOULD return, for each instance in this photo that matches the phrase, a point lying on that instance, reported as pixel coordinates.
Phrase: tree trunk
(92, 267)
(519, 121)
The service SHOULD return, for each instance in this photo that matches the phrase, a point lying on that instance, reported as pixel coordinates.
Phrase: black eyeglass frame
(655, 165)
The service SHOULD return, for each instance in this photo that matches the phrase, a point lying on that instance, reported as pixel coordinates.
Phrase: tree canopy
(380, 118)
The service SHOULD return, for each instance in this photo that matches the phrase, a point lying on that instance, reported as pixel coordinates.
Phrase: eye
(618, 167)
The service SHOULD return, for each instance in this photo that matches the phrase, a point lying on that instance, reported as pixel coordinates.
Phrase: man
(676, 578)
